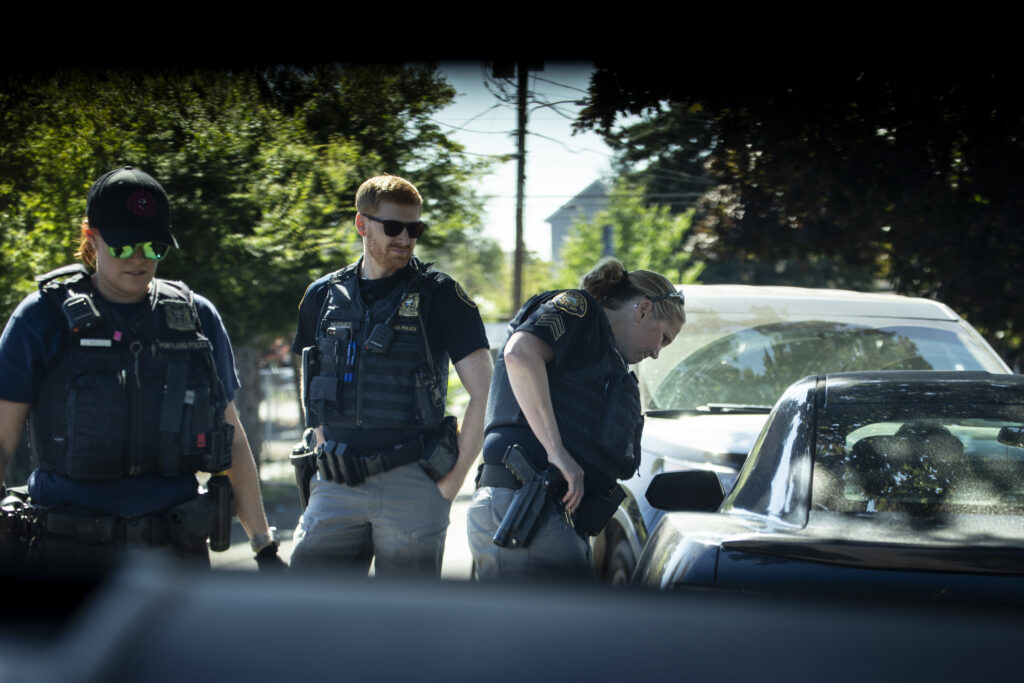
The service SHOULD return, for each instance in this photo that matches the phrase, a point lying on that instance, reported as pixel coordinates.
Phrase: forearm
(471, 438)
(475, 373)
(526, 362)
(527, 375)
(12, 422)
(244, 480)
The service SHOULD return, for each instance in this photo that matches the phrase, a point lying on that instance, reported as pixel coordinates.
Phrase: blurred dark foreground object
(158, 622)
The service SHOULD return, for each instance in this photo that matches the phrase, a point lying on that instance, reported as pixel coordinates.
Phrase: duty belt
(148, 531)
(498, 476)
(336, 462)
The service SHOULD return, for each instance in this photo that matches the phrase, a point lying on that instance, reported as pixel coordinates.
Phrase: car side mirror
(1011, 436)
(690, 491)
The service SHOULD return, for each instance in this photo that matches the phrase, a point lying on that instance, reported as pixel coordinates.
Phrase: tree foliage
(912, 177)
(261, 185)
(261, 166)
(645, 236)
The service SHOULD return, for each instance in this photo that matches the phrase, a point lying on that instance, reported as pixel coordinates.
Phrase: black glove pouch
(191, 523)
(440, 454)
(595, 510)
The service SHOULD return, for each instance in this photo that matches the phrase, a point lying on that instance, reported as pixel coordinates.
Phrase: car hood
(699, 441)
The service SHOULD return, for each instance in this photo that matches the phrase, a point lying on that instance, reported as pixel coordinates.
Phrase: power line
(561, 85)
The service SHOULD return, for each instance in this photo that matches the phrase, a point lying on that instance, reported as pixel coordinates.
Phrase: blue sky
(558, 163)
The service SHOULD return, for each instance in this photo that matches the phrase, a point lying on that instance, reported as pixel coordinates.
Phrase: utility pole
(521, 71)
(517, 286)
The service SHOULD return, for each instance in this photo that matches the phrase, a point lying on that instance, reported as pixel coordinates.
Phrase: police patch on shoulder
(463, 295)
(572, 303)
(410, 305)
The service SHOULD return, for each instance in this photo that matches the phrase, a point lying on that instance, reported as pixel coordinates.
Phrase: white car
(709, 393)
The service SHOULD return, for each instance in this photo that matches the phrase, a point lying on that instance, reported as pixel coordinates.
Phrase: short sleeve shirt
(32, 340)
(31, 343)
(572, 324)
(453, 321)
(453, 324)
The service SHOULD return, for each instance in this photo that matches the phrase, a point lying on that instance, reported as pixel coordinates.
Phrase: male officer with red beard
(376, 339)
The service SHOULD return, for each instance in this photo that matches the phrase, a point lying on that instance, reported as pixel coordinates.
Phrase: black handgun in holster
(529, 501)
(302, 459)
(441, 452)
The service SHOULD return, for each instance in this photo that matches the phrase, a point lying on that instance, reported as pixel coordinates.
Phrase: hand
(573, 475)
(267, 560)
(448, 487)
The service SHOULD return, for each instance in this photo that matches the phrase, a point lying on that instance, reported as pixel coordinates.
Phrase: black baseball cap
(127, 205)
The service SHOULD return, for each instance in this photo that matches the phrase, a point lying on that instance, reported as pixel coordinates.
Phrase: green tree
(645, 236)
(665, 152)
(262, 200)
(906, 176)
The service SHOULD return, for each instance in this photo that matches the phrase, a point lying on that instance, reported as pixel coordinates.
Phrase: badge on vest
(410, 305)
(572, 303)
(178, 316)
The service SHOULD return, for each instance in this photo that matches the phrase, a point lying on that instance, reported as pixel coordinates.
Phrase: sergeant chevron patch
(552, 321)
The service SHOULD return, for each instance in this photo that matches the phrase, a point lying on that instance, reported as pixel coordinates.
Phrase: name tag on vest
(95, 342)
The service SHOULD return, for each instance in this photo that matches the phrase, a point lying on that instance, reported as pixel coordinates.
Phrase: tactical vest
(129, 397)
(373, 367)
(597, 408)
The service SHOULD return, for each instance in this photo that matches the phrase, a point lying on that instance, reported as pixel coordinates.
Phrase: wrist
(260, 542)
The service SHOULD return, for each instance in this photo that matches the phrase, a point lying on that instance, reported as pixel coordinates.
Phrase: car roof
(812, 301)
(923, 385)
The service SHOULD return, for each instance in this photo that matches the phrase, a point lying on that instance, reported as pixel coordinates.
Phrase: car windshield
(752, 366)
(924, 460)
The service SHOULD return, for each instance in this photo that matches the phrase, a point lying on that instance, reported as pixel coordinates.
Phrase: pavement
(281, 502)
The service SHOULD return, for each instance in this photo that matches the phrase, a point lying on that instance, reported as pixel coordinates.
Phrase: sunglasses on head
(154, 251)
(678, 295)
(395, 228)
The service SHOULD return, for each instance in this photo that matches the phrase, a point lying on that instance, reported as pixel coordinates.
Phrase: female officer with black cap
(127, 382)
(564, 402)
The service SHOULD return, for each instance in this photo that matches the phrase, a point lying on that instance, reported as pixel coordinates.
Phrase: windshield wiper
(712, 409)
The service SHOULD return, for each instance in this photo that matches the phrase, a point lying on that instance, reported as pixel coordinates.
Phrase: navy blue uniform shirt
(453, 324)
(31, 342)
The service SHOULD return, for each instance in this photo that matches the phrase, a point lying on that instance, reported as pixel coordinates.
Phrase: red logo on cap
(141, 203)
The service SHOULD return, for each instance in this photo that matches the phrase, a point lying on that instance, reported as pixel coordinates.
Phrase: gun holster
(18, 526)
(440, 454)
(303, 460)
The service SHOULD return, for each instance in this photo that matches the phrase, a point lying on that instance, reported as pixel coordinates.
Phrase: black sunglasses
(395, 228)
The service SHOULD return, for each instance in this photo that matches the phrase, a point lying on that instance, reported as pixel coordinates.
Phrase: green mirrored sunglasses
(154, 251)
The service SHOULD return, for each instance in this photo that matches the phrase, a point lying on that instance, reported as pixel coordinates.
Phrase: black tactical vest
(129, 397)
(597, 408)
(373, 367)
